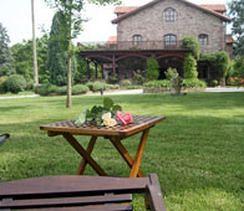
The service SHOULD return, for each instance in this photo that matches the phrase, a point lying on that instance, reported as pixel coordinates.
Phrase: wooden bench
(80, 193)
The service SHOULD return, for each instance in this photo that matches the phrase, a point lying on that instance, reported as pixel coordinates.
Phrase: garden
(196, 151)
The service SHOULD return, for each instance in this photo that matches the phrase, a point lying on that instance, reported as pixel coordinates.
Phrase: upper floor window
(203, 39)
(170, 40)
(136, 39)
(170, 14)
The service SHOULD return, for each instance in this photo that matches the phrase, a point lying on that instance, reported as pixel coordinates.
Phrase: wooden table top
(140, 123)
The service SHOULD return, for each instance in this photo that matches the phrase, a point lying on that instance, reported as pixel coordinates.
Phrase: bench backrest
(80, 193)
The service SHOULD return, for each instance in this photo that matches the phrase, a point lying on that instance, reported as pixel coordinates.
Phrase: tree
(237, 13)
(71, 10)
(57, 45)
(190, 67)
(23, 60)
(152, 69)
(35, 64)
(5, 55)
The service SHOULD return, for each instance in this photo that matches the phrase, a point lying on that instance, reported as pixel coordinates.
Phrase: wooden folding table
(141, 124)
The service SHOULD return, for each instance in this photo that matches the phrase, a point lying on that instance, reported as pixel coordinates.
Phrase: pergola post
(102, 68)
(113, 64)
(96, 72)
(87, 69)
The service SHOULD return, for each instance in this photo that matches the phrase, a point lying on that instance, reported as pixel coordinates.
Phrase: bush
(190, 67)
(171, 73)
(15, 84)
(111, 86)
(214, 83)
(193, 83)
(2, 84)
(79, 89)
(96, 86)
(193, 45)
(138, 79)
(47, 90)
(113, 79)
(62, 90)
(125, 82)
(158, 84)
(152, 69)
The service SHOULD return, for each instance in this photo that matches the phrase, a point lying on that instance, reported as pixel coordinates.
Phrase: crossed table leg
(134, 164)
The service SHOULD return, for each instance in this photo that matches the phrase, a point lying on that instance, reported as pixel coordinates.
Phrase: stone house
(157, 29)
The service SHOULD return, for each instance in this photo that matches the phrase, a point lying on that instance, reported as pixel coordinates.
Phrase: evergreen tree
(71, 10)
(152, 69)
(237, 14)
(57, 51)
(5, 55)
(190, 67)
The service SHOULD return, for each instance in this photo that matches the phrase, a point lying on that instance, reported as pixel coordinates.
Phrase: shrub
(238, 67)
(214, 83)
(79, 89)
(112, 86)
(97, 86)
(193, 45)
(2, 84)
(193, 83)
(125, 82)
(171, 73)
(138, 79)
(15, 84)
(190, 67)
(47, 89)
(113, 79)
(158, 84)
(152, 69)
(62, 90)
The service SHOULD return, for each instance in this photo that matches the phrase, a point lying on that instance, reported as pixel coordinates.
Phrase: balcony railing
(130, 45)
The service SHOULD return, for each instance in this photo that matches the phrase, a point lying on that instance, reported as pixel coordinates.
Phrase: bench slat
(68, 201)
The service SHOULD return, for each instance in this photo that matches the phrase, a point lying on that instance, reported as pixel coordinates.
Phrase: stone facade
(190, 21)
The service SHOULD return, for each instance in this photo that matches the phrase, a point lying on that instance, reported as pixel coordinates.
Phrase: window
(203, 39)
(170, 15)
(137, 39)
(170, 40)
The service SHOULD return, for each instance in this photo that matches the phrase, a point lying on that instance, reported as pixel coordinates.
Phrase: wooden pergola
(111, 57)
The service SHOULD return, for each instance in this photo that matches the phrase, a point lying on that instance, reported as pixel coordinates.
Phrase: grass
(198, 152)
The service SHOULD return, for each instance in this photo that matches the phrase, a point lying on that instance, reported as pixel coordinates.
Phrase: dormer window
(203, 39)
(136, 39)
(170, 14)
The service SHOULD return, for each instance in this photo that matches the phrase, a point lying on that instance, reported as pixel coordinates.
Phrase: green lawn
(198, 152)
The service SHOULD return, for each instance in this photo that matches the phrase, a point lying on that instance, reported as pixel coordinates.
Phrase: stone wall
(190, 22)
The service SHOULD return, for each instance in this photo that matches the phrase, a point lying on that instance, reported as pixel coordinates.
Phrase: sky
(15, 15)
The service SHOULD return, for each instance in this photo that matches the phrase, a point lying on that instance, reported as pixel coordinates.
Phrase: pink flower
(125, 118)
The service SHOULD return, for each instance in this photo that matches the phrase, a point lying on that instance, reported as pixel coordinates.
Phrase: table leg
(138, 158)
(75, 144)
(124, 153)
(89, 149)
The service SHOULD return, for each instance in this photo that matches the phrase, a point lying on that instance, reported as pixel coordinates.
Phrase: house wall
(190, 22)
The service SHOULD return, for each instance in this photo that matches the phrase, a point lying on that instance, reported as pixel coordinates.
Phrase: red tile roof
(123, 10)
(229, 39)
(214, 9)
(112, 40)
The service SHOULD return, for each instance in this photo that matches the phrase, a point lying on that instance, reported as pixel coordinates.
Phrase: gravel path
(132, 92)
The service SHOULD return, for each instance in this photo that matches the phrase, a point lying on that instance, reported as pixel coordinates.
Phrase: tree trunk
(69, 78)
(35, 65)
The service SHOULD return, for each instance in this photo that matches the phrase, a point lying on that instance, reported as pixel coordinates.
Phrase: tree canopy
(237, 14)
(5, 55)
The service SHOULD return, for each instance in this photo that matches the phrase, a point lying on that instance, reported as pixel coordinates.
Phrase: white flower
(107, 115)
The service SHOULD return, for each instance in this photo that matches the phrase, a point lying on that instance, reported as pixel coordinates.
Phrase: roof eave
(120, 18)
